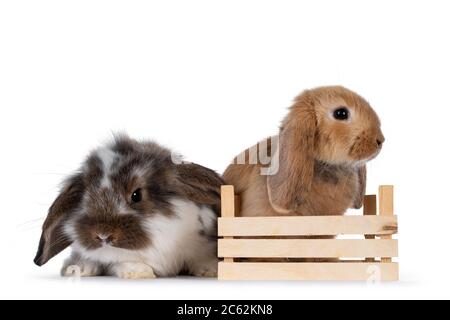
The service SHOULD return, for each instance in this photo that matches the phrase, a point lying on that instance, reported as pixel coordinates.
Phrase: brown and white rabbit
(132, 212)
(317, 160)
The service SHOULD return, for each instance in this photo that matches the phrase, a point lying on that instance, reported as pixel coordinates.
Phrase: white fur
(133, 270)
(176, 242)
(107, 156)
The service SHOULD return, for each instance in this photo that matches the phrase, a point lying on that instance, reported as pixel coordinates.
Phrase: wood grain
(306, 248)
(307, 226)
(228, 207)
(370, 209)
(386, 198)
(308, 271)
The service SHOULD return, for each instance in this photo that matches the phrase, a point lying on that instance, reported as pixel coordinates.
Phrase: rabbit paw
(81, 270)
(207, 273)
(208, 270)
(130, 270)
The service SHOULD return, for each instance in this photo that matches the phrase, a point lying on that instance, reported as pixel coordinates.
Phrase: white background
(210, 78)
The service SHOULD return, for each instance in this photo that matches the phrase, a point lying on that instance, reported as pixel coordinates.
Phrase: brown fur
(53, 239)
(322, 160)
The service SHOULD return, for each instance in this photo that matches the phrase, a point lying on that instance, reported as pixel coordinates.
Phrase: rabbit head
(330, 125)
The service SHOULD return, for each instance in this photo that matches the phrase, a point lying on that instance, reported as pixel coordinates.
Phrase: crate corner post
(386, 208)
(229, 203)
(370, 209)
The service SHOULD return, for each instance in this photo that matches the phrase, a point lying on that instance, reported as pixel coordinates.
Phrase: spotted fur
(171, 229)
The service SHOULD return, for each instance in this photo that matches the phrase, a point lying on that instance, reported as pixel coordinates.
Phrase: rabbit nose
(104, 238)
(380, 140)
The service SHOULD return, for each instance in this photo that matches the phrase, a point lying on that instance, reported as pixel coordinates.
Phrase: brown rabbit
(317, 160)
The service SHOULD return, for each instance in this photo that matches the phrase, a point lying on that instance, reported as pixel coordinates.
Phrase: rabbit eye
(341, 113)
(137, 196)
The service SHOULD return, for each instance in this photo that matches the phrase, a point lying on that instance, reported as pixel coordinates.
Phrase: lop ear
(53, 239)
(199, 184)
(359, 199)
(288, 187)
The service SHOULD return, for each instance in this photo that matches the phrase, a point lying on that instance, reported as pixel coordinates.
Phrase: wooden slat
(227, 201)
(307, 226)
(228, 207)
(307, 271)
(290, 248)
(370, 209)
(370, 205)
(386, 196)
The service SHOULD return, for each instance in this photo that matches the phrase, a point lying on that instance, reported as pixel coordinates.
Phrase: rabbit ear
(295, 153)
(53, 240)
(199, 184)
(359, 200)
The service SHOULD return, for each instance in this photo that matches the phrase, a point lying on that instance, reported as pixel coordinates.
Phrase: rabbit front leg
(132, 270)
(76, 266)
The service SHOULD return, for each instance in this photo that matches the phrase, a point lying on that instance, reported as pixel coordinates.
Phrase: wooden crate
(279, 242)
